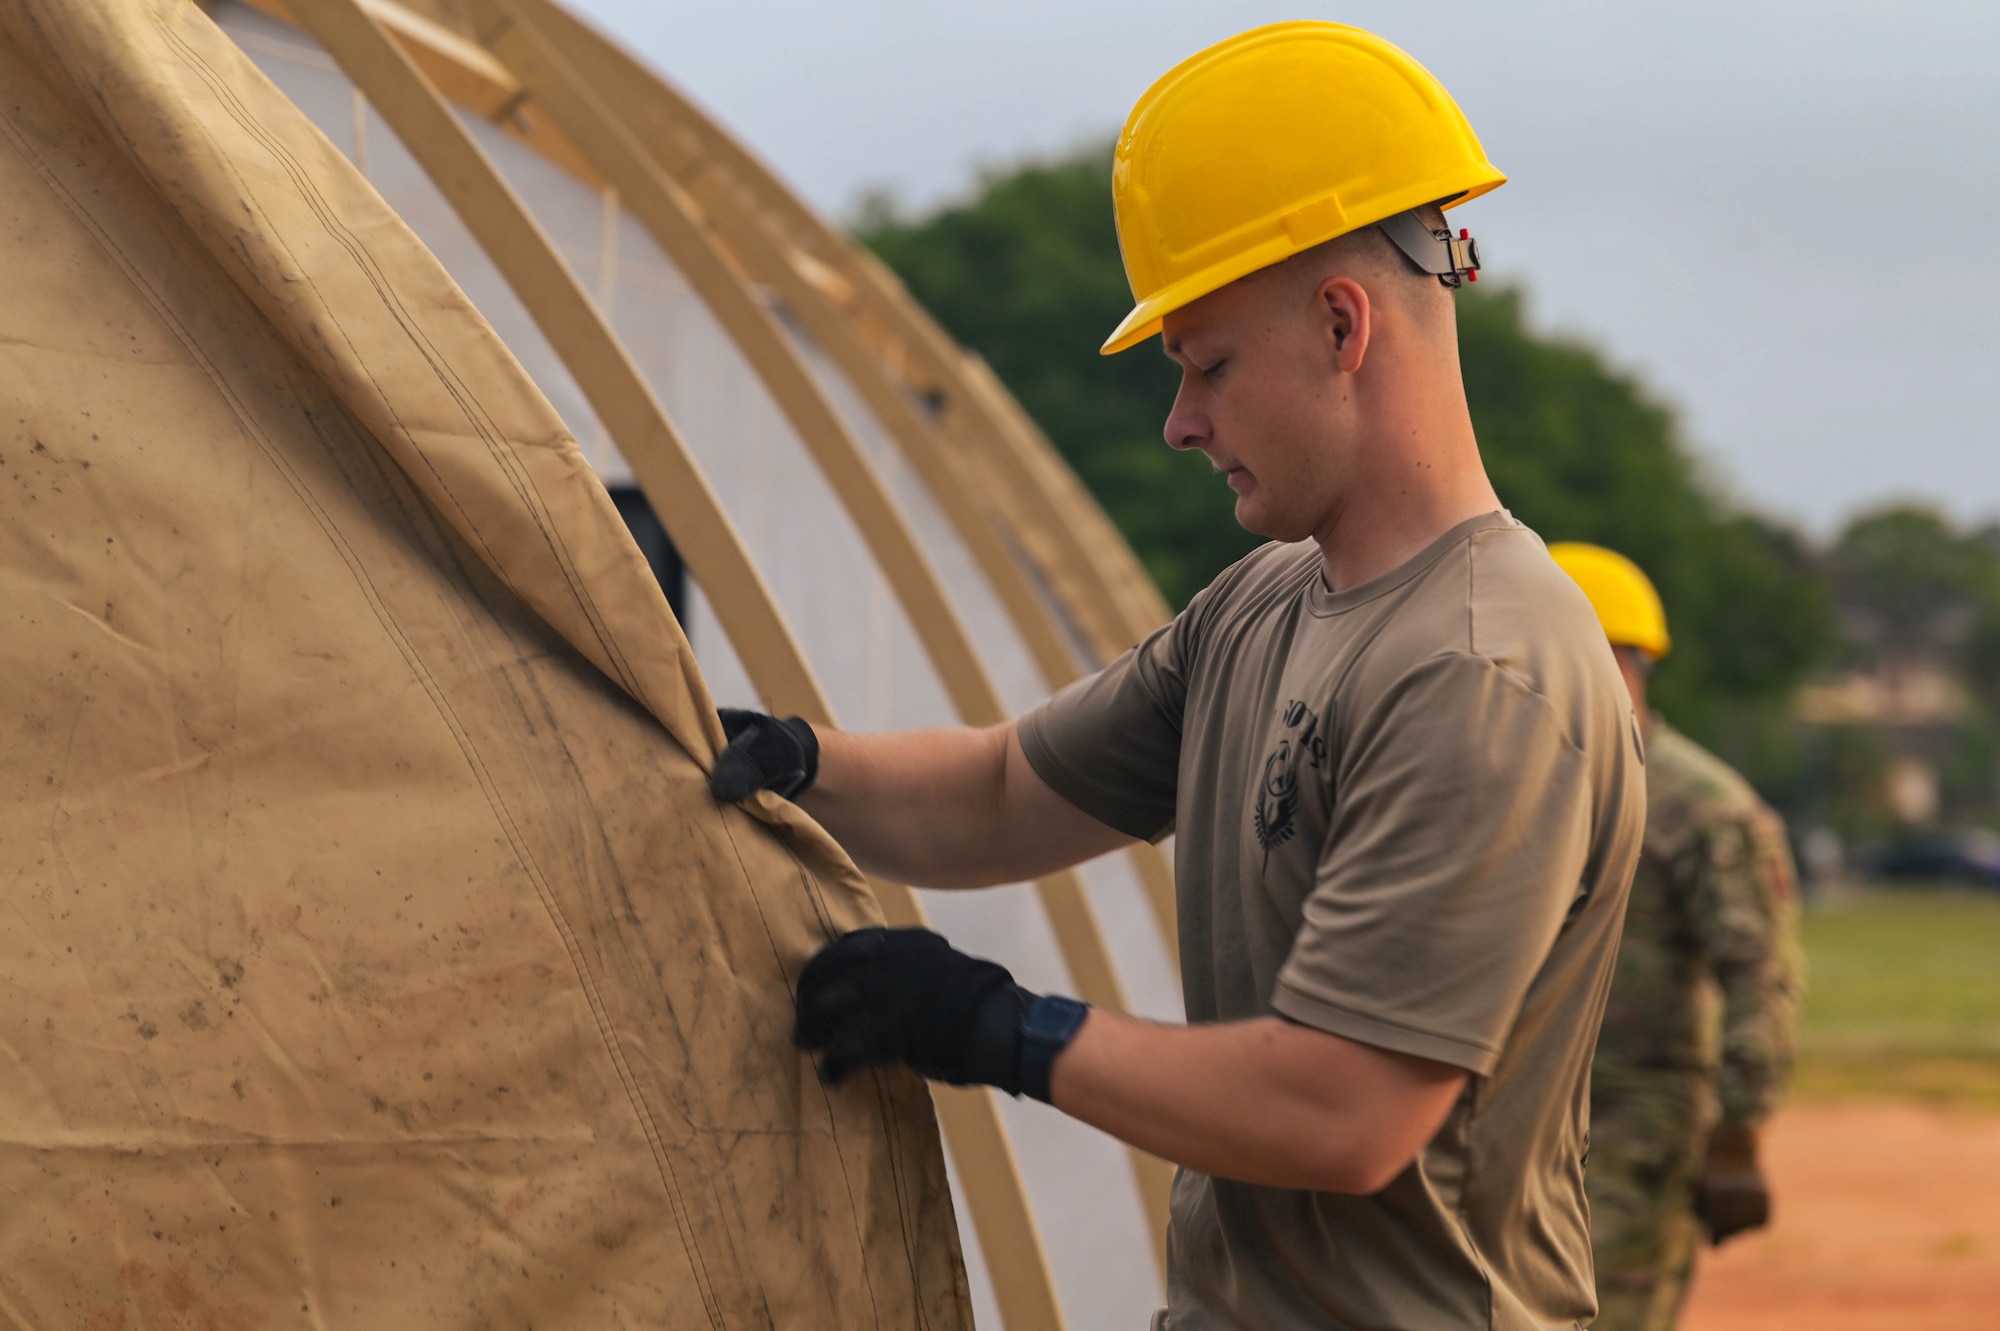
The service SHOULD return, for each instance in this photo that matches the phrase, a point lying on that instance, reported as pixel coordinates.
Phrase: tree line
(1026, 272)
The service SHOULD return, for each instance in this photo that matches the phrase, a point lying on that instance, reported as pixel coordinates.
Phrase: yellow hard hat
(1622, 595)
(1271, 142)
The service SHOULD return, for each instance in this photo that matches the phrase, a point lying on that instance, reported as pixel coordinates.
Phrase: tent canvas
(375, 943)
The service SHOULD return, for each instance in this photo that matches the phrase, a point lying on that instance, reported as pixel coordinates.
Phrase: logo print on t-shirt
(1276, 819)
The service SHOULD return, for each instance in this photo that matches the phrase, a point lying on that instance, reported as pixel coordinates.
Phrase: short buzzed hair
(1368, 253)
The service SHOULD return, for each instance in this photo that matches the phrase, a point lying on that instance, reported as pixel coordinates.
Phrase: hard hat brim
(1146, 317)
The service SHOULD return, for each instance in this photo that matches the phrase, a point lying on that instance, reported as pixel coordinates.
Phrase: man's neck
(1392, 519)
(1415, 470)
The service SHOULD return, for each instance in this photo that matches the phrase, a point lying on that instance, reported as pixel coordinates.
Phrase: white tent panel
(1123, 911)
(864, 649)
(293, 61)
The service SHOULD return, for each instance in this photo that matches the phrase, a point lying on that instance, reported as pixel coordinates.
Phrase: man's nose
(1185, 428)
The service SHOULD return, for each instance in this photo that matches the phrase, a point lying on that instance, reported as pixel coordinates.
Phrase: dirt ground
(1887, 1219)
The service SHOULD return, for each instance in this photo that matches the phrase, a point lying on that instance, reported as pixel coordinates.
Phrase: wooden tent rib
(1007, 462)
(736, 224)
(739, 225)
(1030, 482)
(677, 223)
(1118, 603)
(740, 194)
(509, 235)
(885, 316)
(1059, 502)
(530, 44)
(983, 445)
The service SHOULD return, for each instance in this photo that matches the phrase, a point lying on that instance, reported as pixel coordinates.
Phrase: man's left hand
(1732, 1196)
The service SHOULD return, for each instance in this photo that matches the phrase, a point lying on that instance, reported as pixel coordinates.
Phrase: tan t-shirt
(1407, 814)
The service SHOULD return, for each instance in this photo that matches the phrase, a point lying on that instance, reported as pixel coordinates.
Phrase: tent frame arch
(510, 236)
(728, 223)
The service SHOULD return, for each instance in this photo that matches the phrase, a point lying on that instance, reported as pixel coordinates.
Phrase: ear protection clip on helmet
(1453, 260)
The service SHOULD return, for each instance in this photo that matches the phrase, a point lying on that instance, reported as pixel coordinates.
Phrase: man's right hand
(1732, 1196)
(880, 995)
(764, 753)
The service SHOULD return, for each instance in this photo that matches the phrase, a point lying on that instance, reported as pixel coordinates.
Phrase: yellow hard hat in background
(1272, 142)
(1622, 595)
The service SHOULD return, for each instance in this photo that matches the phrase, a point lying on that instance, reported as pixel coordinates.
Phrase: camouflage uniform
(1701, 1019)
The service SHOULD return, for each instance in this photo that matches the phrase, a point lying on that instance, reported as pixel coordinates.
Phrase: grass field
(1903, 998)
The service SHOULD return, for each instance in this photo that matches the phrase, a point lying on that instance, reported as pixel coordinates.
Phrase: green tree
(1910, 583)
(1913, 590)
(1026, 271)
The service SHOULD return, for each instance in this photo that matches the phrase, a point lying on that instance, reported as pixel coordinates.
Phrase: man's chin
(1251, 517)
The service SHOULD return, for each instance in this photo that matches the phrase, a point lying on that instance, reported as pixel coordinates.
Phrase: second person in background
(1697, 1041)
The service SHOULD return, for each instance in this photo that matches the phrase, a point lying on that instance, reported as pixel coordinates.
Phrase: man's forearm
(948, 808)
(915, 806)
(1263, 1101)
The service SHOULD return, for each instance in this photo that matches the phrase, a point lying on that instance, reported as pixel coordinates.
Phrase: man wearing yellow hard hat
(1401, 772)
(1697, 1040)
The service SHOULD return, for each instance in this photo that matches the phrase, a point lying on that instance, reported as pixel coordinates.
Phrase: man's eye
(1210, 371)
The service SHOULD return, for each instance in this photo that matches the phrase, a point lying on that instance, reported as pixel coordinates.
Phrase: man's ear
(1344, 311)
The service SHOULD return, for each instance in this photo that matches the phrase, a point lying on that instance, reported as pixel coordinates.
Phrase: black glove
(907, 996)
(764, 753)
(1732, 1196)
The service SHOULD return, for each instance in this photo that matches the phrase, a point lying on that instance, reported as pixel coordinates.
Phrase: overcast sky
(1780, 215)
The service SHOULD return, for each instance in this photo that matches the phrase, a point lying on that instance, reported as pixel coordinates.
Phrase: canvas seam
(407, 650)
(846, 1177)
(518, 478)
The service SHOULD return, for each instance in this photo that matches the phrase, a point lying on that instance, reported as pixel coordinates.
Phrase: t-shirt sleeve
(1457, 850)
(1111, 743)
